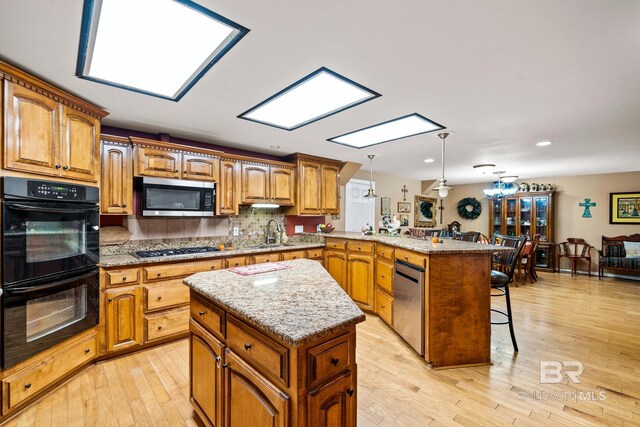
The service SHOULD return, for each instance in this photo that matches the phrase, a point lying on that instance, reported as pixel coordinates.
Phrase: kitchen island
(272, 348)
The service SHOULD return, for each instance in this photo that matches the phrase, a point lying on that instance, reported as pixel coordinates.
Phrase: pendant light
(443, 188)
(503, 187)
(371, 194)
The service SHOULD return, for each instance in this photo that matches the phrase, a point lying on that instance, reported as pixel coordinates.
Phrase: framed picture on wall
(624, 208)
(385, 206)
(424, 214)
(404, 220)
(404, 207)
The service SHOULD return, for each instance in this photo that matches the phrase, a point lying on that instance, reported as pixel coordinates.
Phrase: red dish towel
(250, 270)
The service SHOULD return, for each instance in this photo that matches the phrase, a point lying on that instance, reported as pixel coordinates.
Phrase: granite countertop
(448, 246)
(122, 259)
(298, 304)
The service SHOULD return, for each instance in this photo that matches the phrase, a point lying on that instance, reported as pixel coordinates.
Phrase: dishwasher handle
(409, 278)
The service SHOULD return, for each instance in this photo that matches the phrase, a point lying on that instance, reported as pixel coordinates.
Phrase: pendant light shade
(371, 193)
(443, 188)
(503, 187)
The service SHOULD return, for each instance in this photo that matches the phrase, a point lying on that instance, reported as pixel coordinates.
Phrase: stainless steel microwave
(158, 197)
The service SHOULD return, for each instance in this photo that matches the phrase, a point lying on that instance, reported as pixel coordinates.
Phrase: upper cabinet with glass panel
(155, 47)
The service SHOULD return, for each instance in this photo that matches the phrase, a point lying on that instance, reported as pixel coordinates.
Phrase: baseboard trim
(595, 273)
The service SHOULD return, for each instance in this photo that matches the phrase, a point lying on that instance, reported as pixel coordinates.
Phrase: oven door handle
(19, 207)
(37, 288)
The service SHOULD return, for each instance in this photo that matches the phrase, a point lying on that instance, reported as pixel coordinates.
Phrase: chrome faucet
(269, 238)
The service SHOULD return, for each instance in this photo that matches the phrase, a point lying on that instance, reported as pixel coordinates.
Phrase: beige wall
(386, 186)
(568, 221)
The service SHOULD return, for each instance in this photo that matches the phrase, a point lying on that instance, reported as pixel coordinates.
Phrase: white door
(359, 210)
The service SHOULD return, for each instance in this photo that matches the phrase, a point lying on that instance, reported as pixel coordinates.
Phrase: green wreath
(426, 209)
(463, 208)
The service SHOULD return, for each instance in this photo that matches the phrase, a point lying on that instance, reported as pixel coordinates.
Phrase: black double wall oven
(50, 252)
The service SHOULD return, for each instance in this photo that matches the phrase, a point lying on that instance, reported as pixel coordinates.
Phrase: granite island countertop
(448, 246)
(123, 259)
(297, 304)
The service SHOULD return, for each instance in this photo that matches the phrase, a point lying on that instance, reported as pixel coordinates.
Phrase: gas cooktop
(174, 252)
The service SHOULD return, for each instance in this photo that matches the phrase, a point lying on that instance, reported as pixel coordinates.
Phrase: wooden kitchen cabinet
(318, 186)
(124, 318)
(360, 280)
(330, 189)
(229, 189)
(206, 355)
(162, 163)
(200, 168)
(308, 188)
(255, 183)
(334, 404)
(282, 185)
(335, 262)
(48, 132)
(116, 182)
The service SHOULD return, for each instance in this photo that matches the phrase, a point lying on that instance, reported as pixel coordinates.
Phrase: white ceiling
(502, 75)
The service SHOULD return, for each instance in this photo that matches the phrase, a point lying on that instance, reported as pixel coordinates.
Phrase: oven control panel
(55, 190)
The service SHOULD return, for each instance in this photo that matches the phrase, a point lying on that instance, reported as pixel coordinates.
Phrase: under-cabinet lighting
(156, 47)
(314, 97)
(402, 127)
(265, 206)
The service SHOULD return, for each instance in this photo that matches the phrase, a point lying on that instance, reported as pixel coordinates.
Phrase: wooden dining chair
(527, 260)
(467, 236)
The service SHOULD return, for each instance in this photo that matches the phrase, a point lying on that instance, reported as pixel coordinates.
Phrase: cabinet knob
(335, 362)
(381, 306)
(225, 365)
(160, 297)
(201, 313)
(382, 276)
(159, 274)
(124, 278)
(27, 385)
(58, 165)
(159, 327)
(110, 299)
(66, 167)
(213, 267)
(247, 346)
(218, 358)
(87, 350)
(406, 258)
(350, 391)
(124, 205)
(177, 170)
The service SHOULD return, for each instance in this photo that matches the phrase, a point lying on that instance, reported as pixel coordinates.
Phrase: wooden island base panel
(273, 349)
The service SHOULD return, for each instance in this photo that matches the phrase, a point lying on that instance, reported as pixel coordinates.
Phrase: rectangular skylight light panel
(402, 127)
(157, 47)
(314, 97)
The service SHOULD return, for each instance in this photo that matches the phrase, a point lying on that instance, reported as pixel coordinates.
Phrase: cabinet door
(525, 216)
(542, 218)
(32, 129)
(205, 375)
(309, 188)
(334, 404)
(124, 318)
(360, 280)
(80, 145)
(330, 187)
(116, 183)
(228, 189)
(282, 183)
(255, 184)
(511, 216)
(495, 217)
(336, 264)
(200, 168)
(250, 399)
(156, 162)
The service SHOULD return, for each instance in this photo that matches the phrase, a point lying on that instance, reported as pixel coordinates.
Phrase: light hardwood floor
(559, 318)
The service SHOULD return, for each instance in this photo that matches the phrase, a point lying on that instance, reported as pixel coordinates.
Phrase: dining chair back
(467, 236)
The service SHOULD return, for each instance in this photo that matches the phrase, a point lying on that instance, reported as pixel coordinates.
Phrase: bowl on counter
(327, 230)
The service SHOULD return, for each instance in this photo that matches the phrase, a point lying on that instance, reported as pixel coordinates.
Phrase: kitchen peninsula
(273, 348)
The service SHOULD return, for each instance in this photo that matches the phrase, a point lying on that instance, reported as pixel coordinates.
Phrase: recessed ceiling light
(509, 178)
(543, 143)
(156, 47)
(429, 160)
(275, 147)
(314, 97)
(402, 127)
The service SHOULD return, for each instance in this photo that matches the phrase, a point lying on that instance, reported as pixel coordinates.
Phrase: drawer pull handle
(406, 258)
(160, 297)
(159, 327)
(247, 346)
(225, 365)
(27, 385)
(159, 274)
(87, 350)
(335, 362)
(124, 278)
(213, 267)
(350, 391)
(201, 313)
(218, 358)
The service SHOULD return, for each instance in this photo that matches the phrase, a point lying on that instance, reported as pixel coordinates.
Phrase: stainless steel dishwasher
(408, 304)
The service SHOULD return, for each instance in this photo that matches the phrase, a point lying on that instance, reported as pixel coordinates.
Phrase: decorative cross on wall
(404, 193)
(441, 207)
(587, 205)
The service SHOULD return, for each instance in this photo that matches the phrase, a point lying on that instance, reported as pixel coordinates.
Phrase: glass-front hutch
(526, 213)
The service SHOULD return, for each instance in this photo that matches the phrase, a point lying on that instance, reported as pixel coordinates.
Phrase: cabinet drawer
(335, 244)
(209, 316)
(384, 306)
(170, 271)
(272, 257)
(410, 257)
(237, 261)
(384, 275)
(166, 323)
(329, 359)
(163, 295)
(315, 253)
(122, 277)
(287, 256)
(385, 252)
(364, 247)
(30, 381)
(259, 350)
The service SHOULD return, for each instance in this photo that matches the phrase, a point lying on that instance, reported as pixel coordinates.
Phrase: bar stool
(507, 263)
